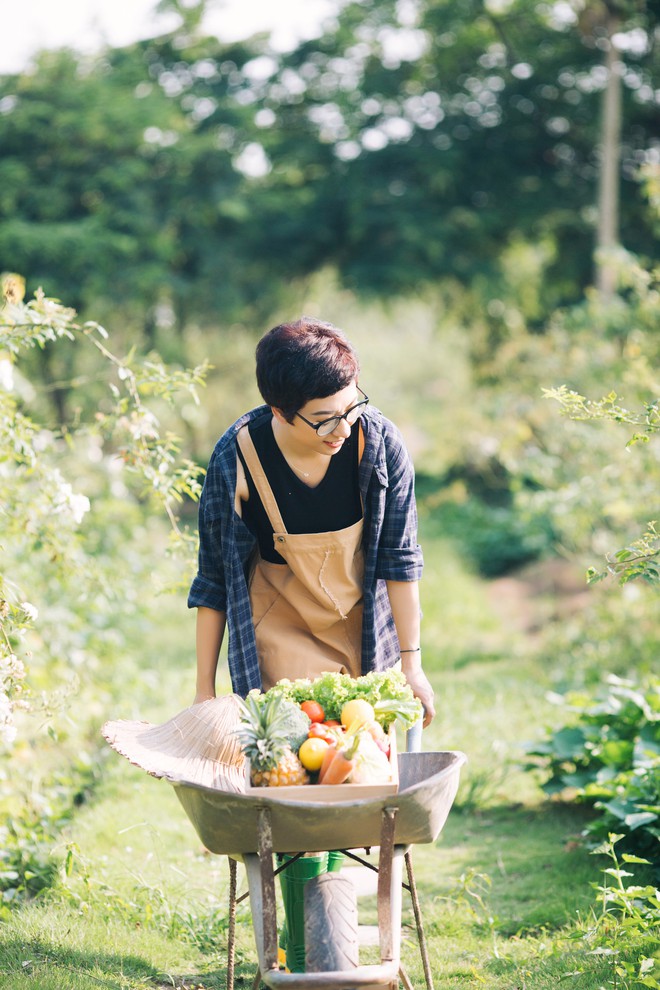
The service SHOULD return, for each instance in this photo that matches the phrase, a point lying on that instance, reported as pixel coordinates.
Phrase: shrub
(608, 755)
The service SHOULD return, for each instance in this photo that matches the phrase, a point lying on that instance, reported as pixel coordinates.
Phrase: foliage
(608, 755)
(80, 503)
(42, 512)
(181, 177)
(639, 558)
(579, 407)
(27, 865)
(445, 133)
(494, 539)
(146, 904)
(627, 918)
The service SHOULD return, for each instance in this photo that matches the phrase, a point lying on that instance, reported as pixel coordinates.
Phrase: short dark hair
(303, 360)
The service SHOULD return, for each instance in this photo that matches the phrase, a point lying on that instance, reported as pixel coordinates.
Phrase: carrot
(338, 770)
(327, 760)
(338, 763)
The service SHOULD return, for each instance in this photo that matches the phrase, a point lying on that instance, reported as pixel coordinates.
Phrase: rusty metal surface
(263, 906)
(365, 977)
(227, 823)
(268, 903)
(417, 911)
(231, 931)
(385, 885)
(254, 827)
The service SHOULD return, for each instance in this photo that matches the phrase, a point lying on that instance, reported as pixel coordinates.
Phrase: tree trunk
(608, 181)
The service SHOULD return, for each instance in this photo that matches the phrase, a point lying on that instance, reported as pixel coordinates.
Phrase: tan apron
(307, 613)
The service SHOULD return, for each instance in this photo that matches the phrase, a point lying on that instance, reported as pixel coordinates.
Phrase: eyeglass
(328, 426)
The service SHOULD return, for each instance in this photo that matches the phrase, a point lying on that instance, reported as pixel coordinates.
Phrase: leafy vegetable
(371, 764)
(387, 690)
(295, 724)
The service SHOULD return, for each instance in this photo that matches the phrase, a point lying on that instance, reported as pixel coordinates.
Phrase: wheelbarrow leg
(231, 932)
(261, 884)
(385, 932)
(423, 948)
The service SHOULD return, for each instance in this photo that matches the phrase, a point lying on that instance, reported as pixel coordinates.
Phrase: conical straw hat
(197, 746)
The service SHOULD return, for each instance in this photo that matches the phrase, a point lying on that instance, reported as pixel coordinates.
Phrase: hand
(203, 696)
(422, 689)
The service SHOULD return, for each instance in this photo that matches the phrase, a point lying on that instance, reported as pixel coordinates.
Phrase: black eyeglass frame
(337, 419)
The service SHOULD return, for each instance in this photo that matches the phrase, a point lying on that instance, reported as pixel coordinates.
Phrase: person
(308, 553)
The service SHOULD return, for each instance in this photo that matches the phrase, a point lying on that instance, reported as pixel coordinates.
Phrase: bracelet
(416, 650)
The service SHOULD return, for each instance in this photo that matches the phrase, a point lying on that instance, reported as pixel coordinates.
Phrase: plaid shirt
(389, 542)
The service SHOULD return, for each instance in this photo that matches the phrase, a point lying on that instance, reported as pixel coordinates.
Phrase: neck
(303, 460)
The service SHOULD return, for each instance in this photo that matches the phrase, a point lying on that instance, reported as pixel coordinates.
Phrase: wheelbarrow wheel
(331, 924)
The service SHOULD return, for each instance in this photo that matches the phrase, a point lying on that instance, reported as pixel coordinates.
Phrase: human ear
(279, 416)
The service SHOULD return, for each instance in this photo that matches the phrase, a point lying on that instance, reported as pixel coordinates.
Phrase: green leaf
(619, 809)
(638, 818)
(568, 743)
(617, 753)
(580, 779)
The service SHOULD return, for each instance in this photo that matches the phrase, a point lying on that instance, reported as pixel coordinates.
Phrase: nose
(342, 429)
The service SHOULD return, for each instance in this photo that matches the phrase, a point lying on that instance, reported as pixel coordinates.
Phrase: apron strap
(261, 482)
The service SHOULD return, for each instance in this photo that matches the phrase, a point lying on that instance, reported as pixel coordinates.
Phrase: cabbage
(372, 766)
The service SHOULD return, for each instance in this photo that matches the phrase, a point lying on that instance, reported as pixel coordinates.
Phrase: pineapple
(264, 736)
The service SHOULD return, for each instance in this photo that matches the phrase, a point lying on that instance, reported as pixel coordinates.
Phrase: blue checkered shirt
(389, 541)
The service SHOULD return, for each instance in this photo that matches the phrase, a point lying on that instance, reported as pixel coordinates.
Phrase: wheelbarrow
(252, 828)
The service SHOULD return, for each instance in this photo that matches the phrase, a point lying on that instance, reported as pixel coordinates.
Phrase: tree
(410, 144)
(452, 129)
(612, 26)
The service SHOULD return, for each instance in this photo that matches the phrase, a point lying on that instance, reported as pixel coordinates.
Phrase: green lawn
(145, 906)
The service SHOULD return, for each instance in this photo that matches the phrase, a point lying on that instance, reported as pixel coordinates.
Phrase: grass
(143, 905)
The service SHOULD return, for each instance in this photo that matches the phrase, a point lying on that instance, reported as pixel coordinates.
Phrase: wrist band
(416, 650)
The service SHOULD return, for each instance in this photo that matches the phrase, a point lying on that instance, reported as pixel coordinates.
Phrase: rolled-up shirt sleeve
(208, 588)
(399, 554)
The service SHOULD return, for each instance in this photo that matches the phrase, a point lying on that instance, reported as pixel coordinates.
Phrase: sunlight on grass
(143, 904)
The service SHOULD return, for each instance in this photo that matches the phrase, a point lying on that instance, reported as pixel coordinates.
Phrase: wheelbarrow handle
(414, 738)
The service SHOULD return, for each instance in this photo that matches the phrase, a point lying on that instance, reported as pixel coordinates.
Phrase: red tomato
(313, 711)
(331, 722)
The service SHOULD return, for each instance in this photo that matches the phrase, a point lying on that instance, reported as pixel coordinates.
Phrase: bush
(608, 755)
(493, 538)
(85, 506)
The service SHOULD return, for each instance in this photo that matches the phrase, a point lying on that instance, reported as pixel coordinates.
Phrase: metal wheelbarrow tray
(227, 822)
(252, 827)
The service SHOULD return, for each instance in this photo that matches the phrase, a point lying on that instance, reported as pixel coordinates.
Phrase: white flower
(144, 425)
(7, 733)
(79, 505)
(68, 501)
(30, 610)
(11, 668)
(6, 374)
(5, 708)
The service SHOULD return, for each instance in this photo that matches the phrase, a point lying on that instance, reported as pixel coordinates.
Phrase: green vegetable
(294, 723)
(386, 690)
(371, 764)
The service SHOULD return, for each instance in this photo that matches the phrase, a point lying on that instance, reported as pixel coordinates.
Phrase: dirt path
(539, 594)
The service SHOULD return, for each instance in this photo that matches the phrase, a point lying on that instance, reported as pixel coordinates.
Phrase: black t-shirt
(334, 504)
